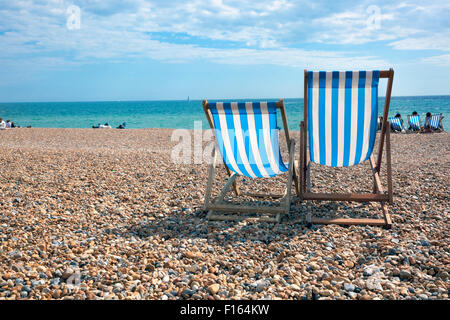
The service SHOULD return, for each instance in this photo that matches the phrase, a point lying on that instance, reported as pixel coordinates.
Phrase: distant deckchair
(434, 122)
(247, 137)
(396, 124)
(414, 123)
(340, 112)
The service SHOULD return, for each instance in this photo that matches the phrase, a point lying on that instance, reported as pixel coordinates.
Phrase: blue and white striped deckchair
(396, 124)
(341, 111)
(247, 139)
(434, 122)
(414, 123)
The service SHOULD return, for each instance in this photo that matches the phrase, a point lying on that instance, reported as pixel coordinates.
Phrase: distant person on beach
(121, 126)
(8, 124)
(105, 126)
(380, 122)
(2, 124)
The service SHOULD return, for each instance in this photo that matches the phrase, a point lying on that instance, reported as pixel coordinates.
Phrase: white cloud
(434, 41)
(441, 60)
(122, 34)
(364, 23)
(236, 31)
(361, 25)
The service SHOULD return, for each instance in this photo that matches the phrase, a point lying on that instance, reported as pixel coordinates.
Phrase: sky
(89, 50)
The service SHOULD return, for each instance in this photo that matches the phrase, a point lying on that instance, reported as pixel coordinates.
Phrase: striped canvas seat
(414, 123)
(435, 121)
(342, 116)
(396, 124)
(247, 136)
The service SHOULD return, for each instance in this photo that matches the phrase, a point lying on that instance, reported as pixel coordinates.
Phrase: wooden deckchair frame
(218, 204)
(378, 194)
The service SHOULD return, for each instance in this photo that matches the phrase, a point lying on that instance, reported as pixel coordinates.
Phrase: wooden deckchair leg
(387, 217)
(379, 187)
(304, 165)
(296, 178)
(302, 162)
(210, 180)
(305, 162)
(226, 187)
(374, 170)
(389, 167)
(235, 186)
(288, 142)
(231, 180)
(287, 200)
(221, 196)
(308, 177)
(385, 125)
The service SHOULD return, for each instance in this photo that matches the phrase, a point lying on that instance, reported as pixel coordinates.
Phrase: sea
(180, 114)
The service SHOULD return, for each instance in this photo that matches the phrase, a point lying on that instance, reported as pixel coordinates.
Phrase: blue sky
(171, 49)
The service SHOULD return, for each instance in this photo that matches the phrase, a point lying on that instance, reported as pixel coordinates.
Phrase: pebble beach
(106, 214)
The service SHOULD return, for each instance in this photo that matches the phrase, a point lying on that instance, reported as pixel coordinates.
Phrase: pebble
(404, 275)
(67, 273)
(349, 264)
(352, 295)
(187, 293)
(368, 271)
(260, 285)
(349, 287)
(214, 288)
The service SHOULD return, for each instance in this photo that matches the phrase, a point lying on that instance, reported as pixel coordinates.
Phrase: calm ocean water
(176, 114)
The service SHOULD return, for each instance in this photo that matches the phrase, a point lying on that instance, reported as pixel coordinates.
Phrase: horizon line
(191, 100)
